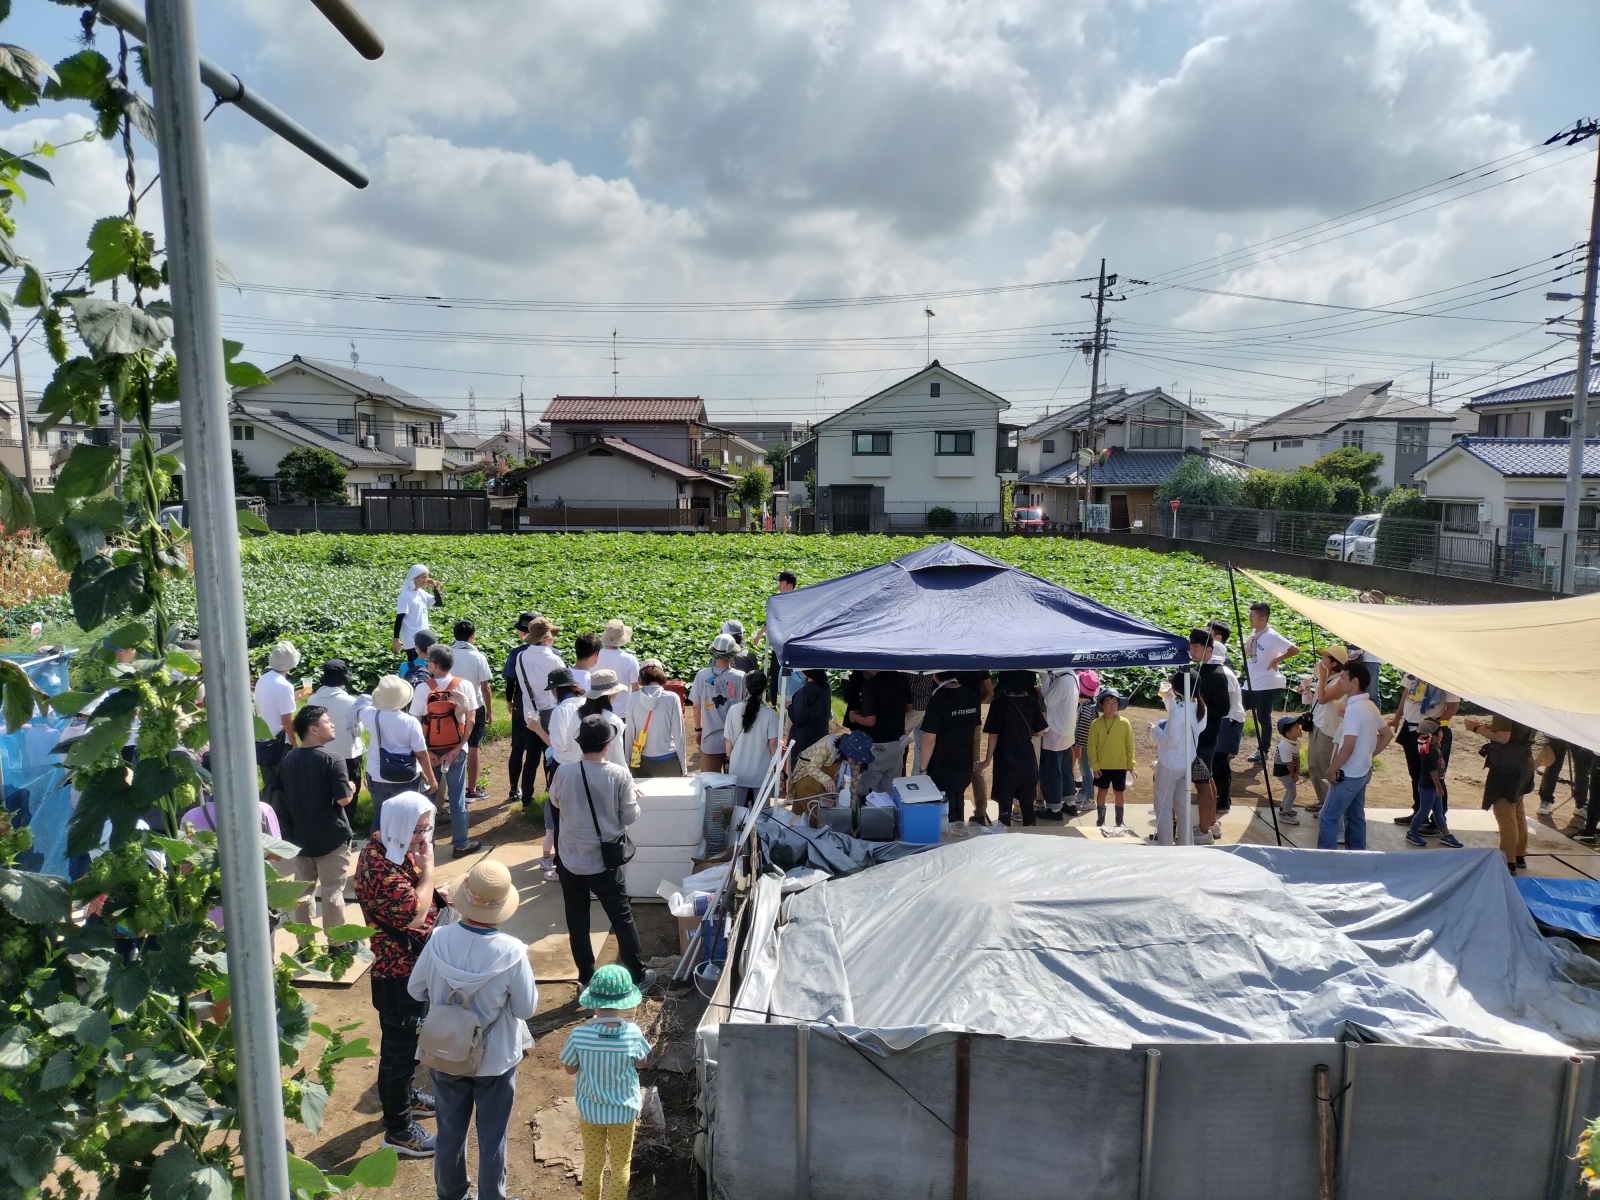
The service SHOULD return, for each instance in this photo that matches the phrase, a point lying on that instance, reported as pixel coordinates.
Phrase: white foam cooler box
(666, 835)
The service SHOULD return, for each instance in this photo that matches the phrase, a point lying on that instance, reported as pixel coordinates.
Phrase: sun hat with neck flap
(610, 987)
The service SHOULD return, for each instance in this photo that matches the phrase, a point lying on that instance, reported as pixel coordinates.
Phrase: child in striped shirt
(604, 1054)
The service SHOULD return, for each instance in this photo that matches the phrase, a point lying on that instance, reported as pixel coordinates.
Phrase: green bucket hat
(610, 987)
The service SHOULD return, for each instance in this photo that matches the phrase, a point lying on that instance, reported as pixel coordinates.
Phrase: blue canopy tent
(951, 608)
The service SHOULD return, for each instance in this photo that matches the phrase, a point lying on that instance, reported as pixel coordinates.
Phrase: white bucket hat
(392, 694)
(616, 634)
(604, 682)
(284, 657)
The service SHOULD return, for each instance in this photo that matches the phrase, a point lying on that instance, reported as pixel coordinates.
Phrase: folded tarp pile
(1067, 940)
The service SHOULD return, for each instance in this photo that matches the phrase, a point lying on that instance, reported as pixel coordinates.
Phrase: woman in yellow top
(1110, 752)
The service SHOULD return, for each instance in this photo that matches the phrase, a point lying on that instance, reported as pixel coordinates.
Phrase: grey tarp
(1070, 940)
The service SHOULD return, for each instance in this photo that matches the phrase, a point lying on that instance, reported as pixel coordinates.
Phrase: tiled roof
(463, 440)
(1364, 402)
(626, 408)
(638, 454)
(367, 385)
(933, 368)
(1133, 468)
(351, 453)
(1551, 387)
(1525, 457)
(1112, 405)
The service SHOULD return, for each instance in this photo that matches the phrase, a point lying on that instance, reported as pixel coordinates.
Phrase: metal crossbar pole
(352, 26)
(230, 87)
(219, 590)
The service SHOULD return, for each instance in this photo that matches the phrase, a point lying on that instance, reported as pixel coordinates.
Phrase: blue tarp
(37, 795)
(949, 607)
(1572, 905)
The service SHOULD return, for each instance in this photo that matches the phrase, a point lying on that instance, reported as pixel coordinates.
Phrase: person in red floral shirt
(395, 887)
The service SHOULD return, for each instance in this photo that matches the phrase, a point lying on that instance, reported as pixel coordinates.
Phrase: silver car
(1358, 542)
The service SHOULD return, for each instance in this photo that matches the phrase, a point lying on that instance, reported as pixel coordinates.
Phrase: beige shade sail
(1537, 663)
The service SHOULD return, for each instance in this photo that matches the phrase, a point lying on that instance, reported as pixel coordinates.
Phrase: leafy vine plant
(118, 1074)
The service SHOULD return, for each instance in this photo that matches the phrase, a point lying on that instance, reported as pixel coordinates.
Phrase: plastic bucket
(705, 978)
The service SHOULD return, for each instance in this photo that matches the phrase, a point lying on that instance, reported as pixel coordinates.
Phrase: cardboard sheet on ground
(1538, 663)
(1112, 945)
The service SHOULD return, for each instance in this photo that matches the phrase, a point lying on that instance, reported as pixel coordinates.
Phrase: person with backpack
(415, 669)
(472, 666)
(480, 991)
(399, 751)
(446, 709)
(597, 801)
(656, 744)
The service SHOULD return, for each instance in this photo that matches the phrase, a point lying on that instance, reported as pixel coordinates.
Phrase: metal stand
(1261, 734)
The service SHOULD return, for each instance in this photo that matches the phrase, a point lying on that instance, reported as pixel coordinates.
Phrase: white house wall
(600, 480)
(1382, 436)
(322, 404)
(911, 472)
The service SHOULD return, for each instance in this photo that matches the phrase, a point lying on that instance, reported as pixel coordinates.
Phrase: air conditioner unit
(370, 442)
(705, 464)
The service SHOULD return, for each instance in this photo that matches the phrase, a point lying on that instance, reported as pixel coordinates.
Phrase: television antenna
(355, 358)
(472, 411)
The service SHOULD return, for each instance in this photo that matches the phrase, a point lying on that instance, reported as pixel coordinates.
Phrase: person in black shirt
(885, 704)
(853, 693)
(316, 794)
(1211, 685)
(982, 684)
(949, 727)
(810, 710)
(1016, 717)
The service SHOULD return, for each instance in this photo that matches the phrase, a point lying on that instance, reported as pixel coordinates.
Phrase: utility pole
(22, 418)
(613, 371)
(1430, 384)
(927, 336)
(1579, 423)
(522, 405)
(1094, 349)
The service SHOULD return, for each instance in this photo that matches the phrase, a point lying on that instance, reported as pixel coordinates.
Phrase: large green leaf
(241, 374)
(19, 697)
(378, 1169)
(16, 502)
(88, 471)
(34, 290)
(36, 899)
(101, 591)
(179, 1175)
(84, 76)
(74, 392)
(313, 1105)
(17, 1051)
(112, 243)
(110, 327)
(305, 1181)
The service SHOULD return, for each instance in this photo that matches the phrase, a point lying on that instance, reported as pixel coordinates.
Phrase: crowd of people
(1043, 746)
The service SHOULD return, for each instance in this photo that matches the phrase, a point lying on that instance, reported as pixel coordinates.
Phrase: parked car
(1028, 520)
(1358, 543)
(180, 512)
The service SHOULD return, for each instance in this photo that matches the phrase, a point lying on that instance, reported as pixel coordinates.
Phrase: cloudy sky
(701, 176)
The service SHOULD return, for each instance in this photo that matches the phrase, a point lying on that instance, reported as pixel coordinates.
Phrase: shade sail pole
(1249, 690)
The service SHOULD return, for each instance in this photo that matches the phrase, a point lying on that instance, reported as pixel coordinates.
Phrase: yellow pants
(597, 1139)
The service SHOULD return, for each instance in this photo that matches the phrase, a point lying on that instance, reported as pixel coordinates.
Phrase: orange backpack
(442, 728)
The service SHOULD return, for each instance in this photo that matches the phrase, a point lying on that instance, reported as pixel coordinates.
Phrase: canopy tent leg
(802, 1101)
(1346, 1109)
(963, 1112)
(1147, 1144)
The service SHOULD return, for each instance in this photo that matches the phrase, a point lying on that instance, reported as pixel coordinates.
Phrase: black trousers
(526, 751)
(1020, 788)
(1222, 776)
(954, 786)
(1552, 773)
(605, 887)
(1407, 738)
(398, 1018)
(1264, 699)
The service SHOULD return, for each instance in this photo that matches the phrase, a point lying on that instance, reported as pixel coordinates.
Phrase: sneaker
(441, 817)
(1512, 867)
(1451, 840)
(1051, 815)
(649, 981)
(1429, 829)
(1224, 806)
(1405, 820)
(1203, 839)
(1413, 840)
(1584, 839)
(1522, 863)
(478, 793)
(514, 798)
(416, 1142)
(1289, 818)
(1216, 829)
(422, 1102)
(547, 868)
(1255, 758)
(1545, 806)
(470, 846)
(1314, 807)
(1151, 840)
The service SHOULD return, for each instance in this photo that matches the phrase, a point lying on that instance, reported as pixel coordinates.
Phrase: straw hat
(540, 628)
(392, 694)
(611, 987)
(604, 682)
(486, 894)
(616, 634)
(1338, 653)
(284, 657)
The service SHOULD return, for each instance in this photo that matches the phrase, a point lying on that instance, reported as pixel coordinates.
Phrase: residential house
(1538, 408)
(51, 448)
(1142, 435)
(931, 441)
(766, 433)
(727, 453)
(612, 483)
(668, 426)
(509, 444)
(1407, 434)
(797, 465)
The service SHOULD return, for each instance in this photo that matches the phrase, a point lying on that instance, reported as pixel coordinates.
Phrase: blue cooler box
(920, 806)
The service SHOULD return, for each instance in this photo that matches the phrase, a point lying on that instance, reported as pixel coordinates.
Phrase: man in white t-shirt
(276, 703)
(472, 666)
(613, 657)
(714, 688)
(1362, 736)
(1264, 653)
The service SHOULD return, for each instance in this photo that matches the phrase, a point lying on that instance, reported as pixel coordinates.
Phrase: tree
(1303, 491)
(1257, 488)
(474, 481)
(1193, 482)
(245, 482)
(312, 475)
(1352, 463)
(1400, 542)
(1348, 497)
(775, 458)
(753, 487)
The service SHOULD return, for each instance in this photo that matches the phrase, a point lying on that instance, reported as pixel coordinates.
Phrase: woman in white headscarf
(418, 594)
(396, 888)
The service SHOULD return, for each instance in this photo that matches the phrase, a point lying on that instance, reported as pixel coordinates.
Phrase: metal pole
(1580, 400)
(1561, 1165)
(353, 27)
(1249, 691)
(22, 418)
(1094, 386)
(230, 87)
(1147, 1145)
(219, 592)
(1346, 1110)
(802, 1097)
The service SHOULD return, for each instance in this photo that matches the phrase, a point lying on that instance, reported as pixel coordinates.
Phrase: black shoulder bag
(619, 850)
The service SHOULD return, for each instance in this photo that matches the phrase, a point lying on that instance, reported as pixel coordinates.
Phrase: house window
(1587, 515)
(738, 460)
(69, 437)
(385, 478)
(1049, 445)
(1354, 437)
(1555, 423)
(955, 442)
(1152, 436)
(1461, 518)
(364, 428)
(933, 389)
(871, 443)
(244, 433)
(1488, 424)
(347, 426)
(1288, 444)
(1516, 424)
(1550, 515)
(1411, 439)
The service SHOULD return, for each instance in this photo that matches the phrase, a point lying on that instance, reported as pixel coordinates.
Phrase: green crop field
(333, 595)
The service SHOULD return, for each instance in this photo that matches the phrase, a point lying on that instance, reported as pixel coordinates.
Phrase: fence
(324, 518)
(413, 511)
(1495, 554)
(640, 518)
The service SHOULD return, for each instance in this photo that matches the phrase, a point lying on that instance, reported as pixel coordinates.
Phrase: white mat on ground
(1112, 945)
